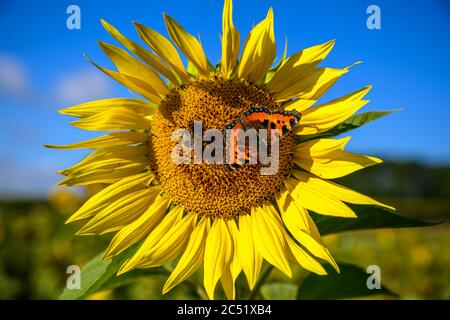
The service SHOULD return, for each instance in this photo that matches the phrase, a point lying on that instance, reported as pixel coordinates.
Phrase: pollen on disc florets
(205, 188)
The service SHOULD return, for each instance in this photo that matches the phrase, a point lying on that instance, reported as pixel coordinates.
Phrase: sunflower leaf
(131, 276)
(95, 275)
(351, 123)
(351, 282)
(369, 217)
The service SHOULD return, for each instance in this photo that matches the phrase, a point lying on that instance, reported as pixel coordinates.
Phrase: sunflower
(201, 214)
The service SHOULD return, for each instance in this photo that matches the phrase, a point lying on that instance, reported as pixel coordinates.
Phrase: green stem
(197, 289)
(265, 274)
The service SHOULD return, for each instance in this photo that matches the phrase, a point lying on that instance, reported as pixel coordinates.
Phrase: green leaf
(96, 274)
(351, 123)
(369, 217)
(131, 276)
(351, 282)
(279, 291)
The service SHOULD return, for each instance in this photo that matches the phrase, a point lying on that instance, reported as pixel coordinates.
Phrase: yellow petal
(192, 257)
(109, 158)
(228, 284)
(250, 258)
(295, 219)
(291, 214)
(304, 259)
(298, 66)
(108, 140)
(103, 175)
(110, 194)
(313, 230)
(115, 119)
(230, 40)
(309, 90)
(91, 108)
(301, 256)
(189, 45)
(232, 271)
(259, 51)
(313, 198)
(326, 158)
(273, 70)
(109, 164)
(151, 59)
(314, 247)
(292, 250)
(313, 86)
(335, 190)
(121, 212)
(218, 253)
(138, 229)
(299, 104)
(235, 265)
(172, 244)
(163, 48)
(127, 65)
(131, 82)
(269, 239)
(166, 242)
(326, 116)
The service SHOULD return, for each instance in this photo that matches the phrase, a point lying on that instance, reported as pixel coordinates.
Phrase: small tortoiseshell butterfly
(258, 118)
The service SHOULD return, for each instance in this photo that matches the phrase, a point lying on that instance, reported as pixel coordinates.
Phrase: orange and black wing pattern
(281, 122)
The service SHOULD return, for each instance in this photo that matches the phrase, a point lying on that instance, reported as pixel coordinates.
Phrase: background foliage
(36, 246)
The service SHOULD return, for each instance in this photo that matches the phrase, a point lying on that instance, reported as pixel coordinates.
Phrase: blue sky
(42, 70)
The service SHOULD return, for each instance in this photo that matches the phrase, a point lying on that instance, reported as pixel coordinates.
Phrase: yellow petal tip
(106, 256)
(69, 220)
(125, 267)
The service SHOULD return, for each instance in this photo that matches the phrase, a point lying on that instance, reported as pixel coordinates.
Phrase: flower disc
(208, 188)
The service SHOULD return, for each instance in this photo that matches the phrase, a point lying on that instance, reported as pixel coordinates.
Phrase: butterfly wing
(258, 118)
(284, 121)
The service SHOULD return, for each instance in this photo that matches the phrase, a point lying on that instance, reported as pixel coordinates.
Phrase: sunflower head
(207, 188)
(199, 213)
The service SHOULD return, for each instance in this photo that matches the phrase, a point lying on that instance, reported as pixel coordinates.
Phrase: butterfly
(277, 123)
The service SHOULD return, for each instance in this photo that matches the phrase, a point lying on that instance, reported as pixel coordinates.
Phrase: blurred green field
(36, 246)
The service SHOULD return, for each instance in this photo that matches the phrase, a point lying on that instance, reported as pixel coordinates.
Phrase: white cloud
(71, 87)
(14, 77)
(81, 86)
